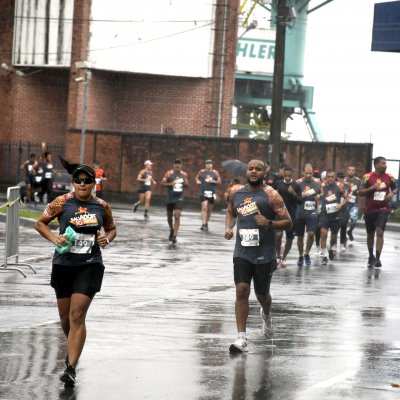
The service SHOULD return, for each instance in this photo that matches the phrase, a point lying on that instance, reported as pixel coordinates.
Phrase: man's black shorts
(244, 271)
(327, 221)
(83, 279)
(209, 199)
(375, 220)
(178, 205)
(307, 223)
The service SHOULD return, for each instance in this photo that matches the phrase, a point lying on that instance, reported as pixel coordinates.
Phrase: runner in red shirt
(378, 187)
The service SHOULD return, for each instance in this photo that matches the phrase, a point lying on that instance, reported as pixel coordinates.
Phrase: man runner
(306, 213)
(254, 207)
(288, 189)
(208, 178)
(378, 187)
(175, 180)
(354, 183)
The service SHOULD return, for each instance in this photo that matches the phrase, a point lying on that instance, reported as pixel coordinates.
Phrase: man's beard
(258, 182)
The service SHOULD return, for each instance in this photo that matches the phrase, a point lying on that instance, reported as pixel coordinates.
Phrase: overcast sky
(356, 91)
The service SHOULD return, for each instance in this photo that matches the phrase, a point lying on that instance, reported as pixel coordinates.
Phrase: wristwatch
(107, 240)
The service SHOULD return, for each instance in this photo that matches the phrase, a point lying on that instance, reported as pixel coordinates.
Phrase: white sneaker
(239, 346)
(318, 251)
(266, 328)
(281, 264)
(342, 248)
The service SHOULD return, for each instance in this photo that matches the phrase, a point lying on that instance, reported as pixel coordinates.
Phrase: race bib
(249, 237)
(38, 179)
(331, 208)
(379, 196)
(47, 175)
(208, 194)
(147, 182)
(178, 186)
(309, 205)
(83, 244)
(98, 181)
(352, 199)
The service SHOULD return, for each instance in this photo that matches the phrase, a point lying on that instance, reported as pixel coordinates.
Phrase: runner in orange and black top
(270, 177)
(29, 167)
(208, 178)
(145, 178)
(378, 187)
(100, 177)
(175, 180)
(288, 189)
(77, 274)
(354, 182)
(258, 210)
(333, 199)
(306, 213)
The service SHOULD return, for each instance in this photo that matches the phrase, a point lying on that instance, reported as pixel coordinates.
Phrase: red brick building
(45, 105)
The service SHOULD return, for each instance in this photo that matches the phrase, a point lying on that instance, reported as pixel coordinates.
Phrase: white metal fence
(11, 253)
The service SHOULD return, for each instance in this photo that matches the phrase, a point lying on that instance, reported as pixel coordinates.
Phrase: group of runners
(261, 211)
(175, 180)
(39, 174)
(270, 204)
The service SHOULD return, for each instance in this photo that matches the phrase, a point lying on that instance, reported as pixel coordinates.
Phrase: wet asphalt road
(162, 324)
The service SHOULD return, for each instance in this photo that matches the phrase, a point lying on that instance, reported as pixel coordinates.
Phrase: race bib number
(83, 244)
(47, 175)
(249, 237)
(309, 205)
(147, 182)
(178, 186)
(379, 196)
(352, 199)
(98, 181)
(38, 179)
(208, 194)
(331, 208)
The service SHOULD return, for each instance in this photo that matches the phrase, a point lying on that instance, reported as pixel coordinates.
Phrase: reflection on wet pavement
(162, 324)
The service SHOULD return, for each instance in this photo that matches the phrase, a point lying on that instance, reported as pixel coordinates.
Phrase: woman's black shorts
(83, 279)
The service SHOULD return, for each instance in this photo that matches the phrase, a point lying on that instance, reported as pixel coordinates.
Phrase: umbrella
(235, 167)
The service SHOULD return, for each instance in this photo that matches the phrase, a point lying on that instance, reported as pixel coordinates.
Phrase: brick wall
(122, 156)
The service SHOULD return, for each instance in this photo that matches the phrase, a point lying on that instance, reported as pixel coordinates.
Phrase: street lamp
(85, 80)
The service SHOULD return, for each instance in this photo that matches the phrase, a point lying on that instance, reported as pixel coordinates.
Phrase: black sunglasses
(86, 181)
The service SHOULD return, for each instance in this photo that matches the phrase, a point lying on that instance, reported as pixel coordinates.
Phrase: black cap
(177, 161)
(84, 168)
(209, 162)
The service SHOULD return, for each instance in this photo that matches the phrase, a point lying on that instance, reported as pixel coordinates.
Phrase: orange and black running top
(85, 218)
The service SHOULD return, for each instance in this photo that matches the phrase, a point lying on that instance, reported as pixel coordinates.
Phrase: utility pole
(277, 85)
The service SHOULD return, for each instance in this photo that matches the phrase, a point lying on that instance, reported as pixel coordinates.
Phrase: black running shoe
(174, 239)
(307, 259)
(331, 254)
(378, 263)
(69, 376)
(371, 262)
(171, 235)
(146, 217)
(300, 261)
(135, 207)
(350, 235)
(325, 261)
(203, 228)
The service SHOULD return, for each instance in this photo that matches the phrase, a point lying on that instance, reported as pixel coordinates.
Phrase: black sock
(371, 251)
(145, 212)
(378, 254)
